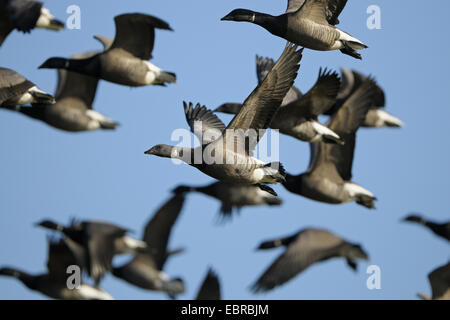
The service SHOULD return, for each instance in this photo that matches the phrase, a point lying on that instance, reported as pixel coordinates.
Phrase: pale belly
(319, 37)
(324, 190)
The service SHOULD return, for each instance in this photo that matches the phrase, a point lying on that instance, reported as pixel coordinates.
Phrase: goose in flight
(145, 269)
(377, 117)
(125, 60)
(308, 23)
(328, 178)
(440, 229)
(226, 153)
(16, 90)
(99, 242)
(72, 110)
(233, 196)
(25, 15)
(53, 284)
(302, 250)
(298, 114)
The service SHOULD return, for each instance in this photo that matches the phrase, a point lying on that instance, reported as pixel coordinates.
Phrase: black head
(414, 218)
(48, 224)
(10, 272)
(161, 150)
(240, 15)
(29, 280)
(55, 63)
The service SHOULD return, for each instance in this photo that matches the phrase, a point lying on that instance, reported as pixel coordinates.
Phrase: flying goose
(125, 60)
(440, 229)
(377, 117)
(16, 90)
(53, 284)
(298, 115)
(232, 161)
(308, 23)
(100, 241)
(145, 269)
(328, 178)
(233, 196)
(73, 108)
(303, 249)
(210, 288)
(25, 15)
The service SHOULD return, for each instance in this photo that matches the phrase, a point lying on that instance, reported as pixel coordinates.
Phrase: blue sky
(105, 175)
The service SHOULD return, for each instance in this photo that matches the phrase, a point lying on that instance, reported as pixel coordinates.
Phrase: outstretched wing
(316, 101)
(321, 11)
(345, 122)
(62, 254)
(77, 85)
(263, 67)
(262, 104)
(440, 281)
(135, 33)
(158, 229)
(203, 122)
(101, 238)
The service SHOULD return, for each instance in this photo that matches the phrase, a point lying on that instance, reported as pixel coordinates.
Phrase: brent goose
(377, 117)
(440, 229)
(233, 196)
(308, 23)
(440, 284)
(25, 15)
(233, 162)
(100, 241)
(298, 114)
(210, 288)
(73, 108)
(303, 249)
(53, 284)
(145, 269)
(328, 178)
(16, 90)
(125, 61)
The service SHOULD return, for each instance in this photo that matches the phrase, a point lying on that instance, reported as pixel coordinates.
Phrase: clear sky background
(46, 173)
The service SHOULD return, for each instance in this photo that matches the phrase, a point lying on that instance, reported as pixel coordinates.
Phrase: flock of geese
(351, 100)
